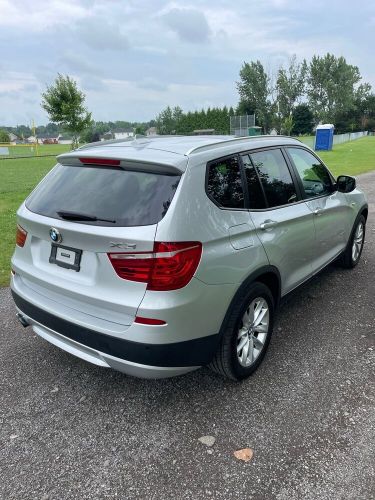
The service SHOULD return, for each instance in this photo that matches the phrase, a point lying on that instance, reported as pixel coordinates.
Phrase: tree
(168, 120)
(64, 104)
(331, 86)
(287, 124)
(4, 136)
(254, 89)
(290, 86)
(303, 120)
(90, 135)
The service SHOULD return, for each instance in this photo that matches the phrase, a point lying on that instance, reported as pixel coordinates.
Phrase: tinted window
(275, 177)
(314, 176)
(128, 197)
(256, 197)
(224, 183)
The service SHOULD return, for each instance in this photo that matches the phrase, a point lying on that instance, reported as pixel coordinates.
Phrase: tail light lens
(169, 267)
(21, 236)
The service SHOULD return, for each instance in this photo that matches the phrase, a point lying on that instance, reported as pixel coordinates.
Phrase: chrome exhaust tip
(22, 319)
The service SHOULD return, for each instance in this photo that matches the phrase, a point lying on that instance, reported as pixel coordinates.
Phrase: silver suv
(159, 255)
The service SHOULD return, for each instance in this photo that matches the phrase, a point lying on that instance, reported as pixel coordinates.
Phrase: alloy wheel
(253, 332)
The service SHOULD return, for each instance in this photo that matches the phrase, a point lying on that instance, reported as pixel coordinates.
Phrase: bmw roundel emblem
(55, 235)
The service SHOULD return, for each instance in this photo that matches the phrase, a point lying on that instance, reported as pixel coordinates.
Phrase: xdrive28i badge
(55, 235)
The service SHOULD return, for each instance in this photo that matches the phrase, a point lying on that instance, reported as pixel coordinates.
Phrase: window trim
(247, 188)
(299, 180)
(244, 187)
(291, 167)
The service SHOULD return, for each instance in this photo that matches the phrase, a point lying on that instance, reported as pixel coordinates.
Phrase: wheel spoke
(241, 344)
(245, 352)
(250, 350)
(260, 316)
(243, 331)
(262, 328)
(258, 309)
(258, 344)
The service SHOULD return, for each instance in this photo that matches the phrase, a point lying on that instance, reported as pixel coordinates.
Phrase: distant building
(118, 133)
(13, 137)
(48, 139)
(65, 139)
(152, 131)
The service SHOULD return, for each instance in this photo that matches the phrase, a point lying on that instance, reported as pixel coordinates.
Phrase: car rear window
(130, 198)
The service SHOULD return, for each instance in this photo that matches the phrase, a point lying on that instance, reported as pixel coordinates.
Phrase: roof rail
(236, 139)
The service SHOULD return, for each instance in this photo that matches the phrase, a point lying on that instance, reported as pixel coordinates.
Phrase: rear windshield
(127, 197)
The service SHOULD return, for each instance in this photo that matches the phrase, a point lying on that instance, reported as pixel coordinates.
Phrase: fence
(351, 136)
(239, 125)
(337, 139)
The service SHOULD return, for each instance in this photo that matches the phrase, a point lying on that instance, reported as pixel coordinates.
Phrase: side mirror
(345, 183)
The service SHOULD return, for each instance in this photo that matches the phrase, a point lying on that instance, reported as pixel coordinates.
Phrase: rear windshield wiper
(64, 214)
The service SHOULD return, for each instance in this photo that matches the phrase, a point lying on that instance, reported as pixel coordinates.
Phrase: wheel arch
(364, 211)
(269, 276)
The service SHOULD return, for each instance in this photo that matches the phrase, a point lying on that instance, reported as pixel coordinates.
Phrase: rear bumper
(135, 358)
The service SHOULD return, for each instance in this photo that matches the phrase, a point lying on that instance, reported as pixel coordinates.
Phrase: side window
(275, 177)
(314, 176)
(224, 183)
(256, 197)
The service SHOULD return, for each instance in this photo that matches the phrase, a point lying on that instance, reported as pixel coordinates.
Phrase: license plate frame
(74, 255)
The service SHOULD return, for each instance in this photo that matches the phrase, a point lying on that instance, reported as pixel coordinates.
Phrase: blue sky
(133, 58)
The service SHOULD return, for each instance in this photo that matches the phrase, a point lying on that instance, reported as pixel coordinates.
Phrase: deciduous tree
(64, 103)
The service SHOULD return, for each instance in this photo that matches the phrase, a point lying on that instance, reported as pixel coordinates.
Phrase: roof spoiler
(80, 158)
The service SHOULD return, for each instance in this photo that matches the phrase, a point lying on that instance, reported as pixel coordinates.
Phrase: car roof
(175, 150)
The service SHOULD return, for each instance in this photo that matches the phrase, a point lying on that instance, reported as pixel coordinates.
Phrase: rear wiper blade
(65, 214)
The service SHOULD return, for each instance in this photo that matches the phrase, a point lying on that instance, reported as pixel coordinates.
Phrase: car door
(330, 208)
(283, 221)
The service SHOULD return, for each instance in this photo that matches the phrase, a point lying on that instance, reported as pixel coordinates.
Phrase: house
(63, 139)
(118, 133)
(123, 133)
(13, 137)
(48, 139)
(152, 131)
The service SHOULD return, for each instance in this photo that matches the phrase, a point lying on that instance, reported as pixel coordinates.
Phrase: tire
(350, 257)
(226, 361)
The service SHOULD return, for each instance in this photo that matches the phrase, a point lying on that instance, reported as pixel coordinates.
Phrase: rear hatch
(86, 208)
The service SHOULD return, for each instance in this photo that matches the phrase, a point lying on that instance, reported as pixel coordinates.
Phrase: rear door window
(224, 183)
(130, 198)
(275, 177)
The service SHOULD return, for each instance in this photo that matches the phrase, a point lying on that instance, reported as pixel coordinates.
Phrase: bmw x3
(160, 255)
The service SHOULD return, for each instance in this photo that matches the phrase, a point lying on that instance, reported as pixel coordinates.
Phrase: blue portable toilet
(324, 137)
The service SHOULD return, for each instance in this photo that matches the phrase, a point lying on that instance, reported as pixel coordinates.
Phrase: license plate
(67, 257)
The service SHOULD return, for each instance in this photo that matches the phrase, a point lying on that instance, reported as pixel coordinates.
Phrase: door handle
(318, 212)
(267, 224)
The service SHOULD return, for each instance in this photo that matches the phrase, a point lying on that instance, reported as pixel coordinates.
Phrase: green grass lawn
(18, 177)
(30, 150)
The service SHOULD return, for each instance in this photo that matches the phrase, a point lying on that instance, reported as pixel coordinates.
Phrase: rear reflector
(100, 161)
(21, 236)
(149, 321)
(169, 267)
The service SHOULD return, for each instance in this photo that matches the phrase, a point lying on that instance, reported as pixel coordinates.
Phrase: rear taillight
(21, 236)
(170, 266)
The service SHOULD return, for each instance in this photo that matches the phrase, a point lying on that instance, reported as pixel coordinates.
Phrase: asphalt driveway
(72, 430)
